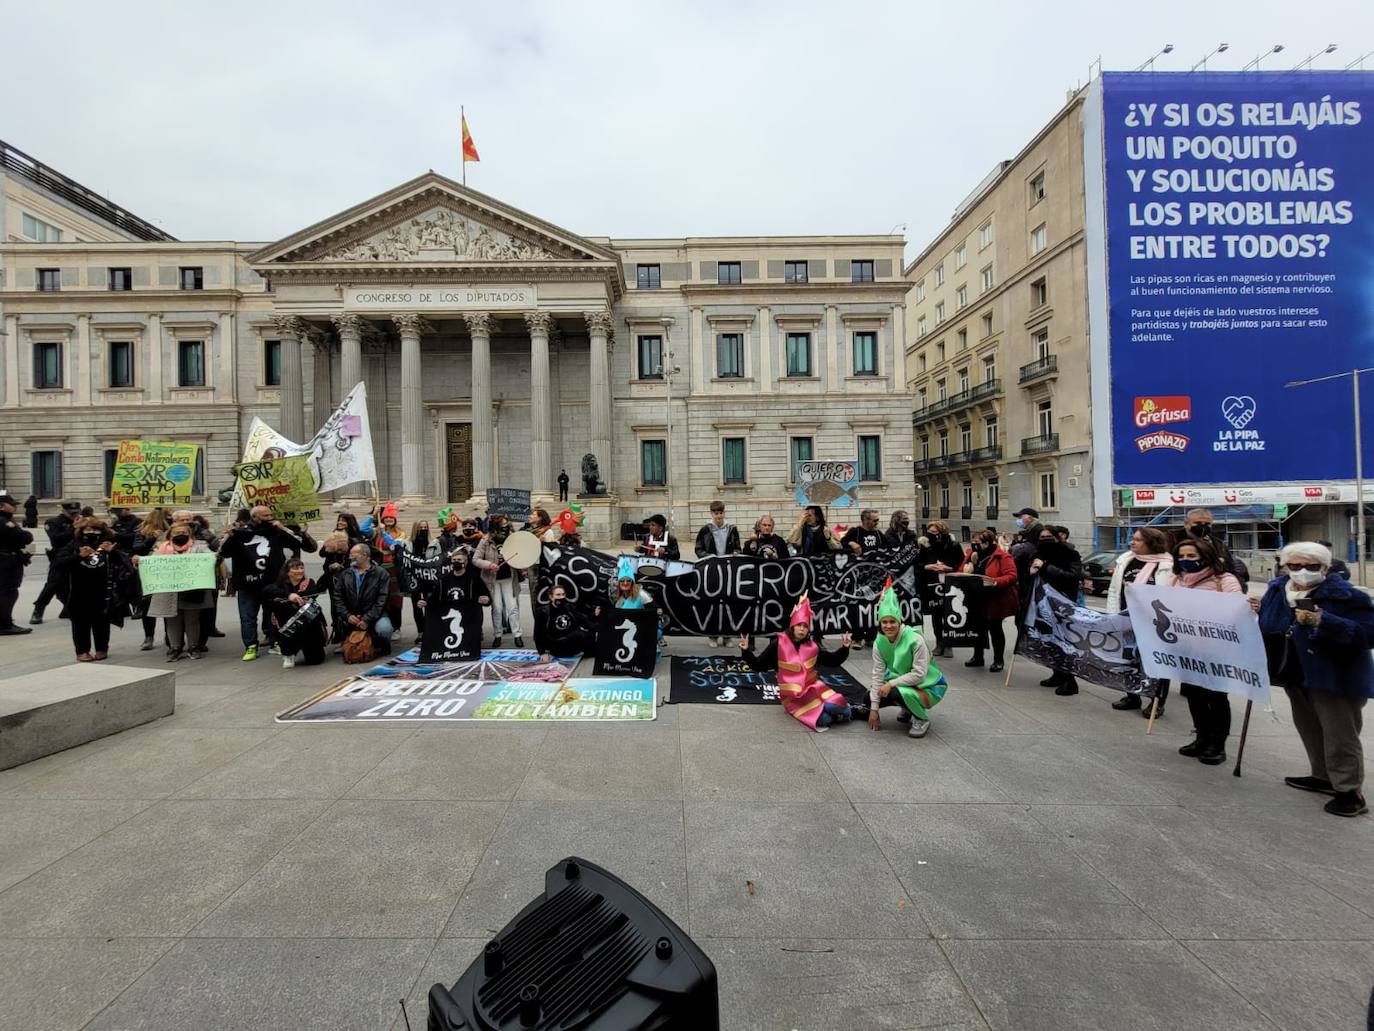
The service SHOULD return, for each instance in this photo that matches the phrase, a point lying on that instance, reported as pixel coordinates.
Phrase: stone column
(321, 404)
(412, 403)
(81, 371)
(227, 389)
(541, 403)
(483, 440)
(291, 419)
(154, 360)
(350, 329)
(599, 394)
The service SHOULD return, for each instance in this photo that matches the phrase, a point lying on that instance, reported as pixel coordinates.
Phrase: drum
(521, 550)
(295, 629)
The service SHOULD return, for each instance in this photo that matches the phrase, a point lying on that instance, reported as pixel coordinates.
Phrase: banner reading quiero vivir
(285, 485)
(160, 573)
(828, 483)
(152, 472)
(1238, 216)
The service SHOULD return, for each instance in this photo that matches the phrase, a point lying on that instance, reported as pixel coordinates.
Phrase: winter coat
(1334, 654)
(277, 596)
(13, 540)
(947, 551)
(999, 600)
(257, 554)
(103, 585)
(367, 600)
(126, 532)
(819, 543)
(1163, 575)
(486, 559)
(706, 540)
(1061, 568)
(169, 603)
(759, 547)
(31, 513)
(61, 531)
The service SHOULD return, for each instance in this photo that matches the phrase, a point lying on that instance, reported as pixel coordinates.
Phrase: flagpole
(462, 154)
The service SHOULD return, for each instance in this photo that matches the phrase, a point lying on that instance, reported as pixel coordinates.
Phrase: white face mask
(1306, 577)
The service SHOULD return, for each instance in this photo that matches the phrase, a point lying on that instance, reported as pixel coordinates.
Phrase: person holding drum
(502, 580)
(292, 602)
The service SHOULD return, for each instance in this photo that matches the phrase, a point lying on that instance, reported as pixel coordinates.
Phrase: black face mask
(181, 540)
(1203, 530)
(421, 538)
(90, 540)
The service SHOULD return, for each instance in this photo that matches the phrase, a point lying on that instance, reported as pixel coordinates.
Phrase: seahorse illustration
(626, 651)
(455, 627)
(1162, 623)
(958, 610)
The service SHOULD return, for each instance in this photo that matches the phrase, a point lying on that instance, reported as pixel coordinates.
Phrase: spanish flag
(469, 148)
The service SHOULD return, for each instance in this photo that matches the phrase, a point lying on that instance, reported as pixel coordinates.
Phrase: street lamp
(1307, 61)
(1354, 375)
(1221, 49)
(1277, 48)
(1360, 60)
(1168, 49)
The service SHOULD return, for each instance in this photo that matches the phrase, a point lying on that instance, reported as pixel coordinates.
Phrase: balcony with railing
(982, 392)
(992, 511)
(1040, 445)
(1040, 368)
(944, 511)
(966, 512)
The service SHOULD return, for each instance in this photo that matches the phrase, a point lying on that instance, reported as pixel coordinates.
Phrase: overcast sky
(247, 121)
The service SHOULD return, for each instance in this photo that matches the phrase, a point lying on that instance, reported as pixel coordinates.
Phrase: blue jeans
(250, 606)
(831, 713)
(384, 628)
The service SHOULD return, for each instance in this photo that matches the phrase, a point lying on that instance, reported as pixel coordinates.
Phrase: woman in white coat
(1147, 562)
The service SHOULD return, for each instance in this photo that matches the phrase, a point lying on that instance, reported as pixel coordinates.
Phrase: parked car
(1097, 571)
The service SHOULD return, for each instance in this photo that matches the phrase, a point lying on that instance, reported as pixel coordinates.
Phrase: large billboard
(1237, 231)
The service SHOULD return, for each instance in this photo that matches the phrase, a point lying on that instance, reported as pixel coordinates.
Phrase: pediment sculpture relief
(443, 235)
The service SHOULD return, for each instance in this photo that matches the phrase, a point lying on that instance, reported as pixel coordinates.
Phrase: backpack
(358, 647)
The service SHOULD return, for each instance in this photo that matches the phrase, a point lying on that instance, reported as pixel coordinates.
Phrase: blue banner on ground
(1240, 250)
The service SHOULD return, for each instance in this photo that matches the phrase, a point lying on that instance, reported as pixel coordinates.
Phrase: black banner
(1097, 646)
(739, 594)
(453, 631)
(729, 680)
(626, 643)
(958, 609)
(417, 574)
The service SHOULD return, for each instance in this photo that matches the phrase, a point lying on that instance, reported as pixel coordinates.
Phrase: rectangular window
(941, 392)
(732, 460)
(984, 235)
(939, 312)
(191, 363)
(271, 363)
(121, 363)
(966, 494)
(192, 277)
(648, 277)
(47, 366)
(1038, 238)
(921, 290)
(799, 354)
(651, 357)
(921, 398)
(794, 272)
(1040, 340)
(920, 326)
(653, 463)
(49, 280)
(961, 296)
(925, 500)
(37, 229)
(46, 473)
(989, 368)
(121, 279)
(1044, 418)
(962, 337)
(925, 449)
(111, 454)
(961, 256)
(921, 362)
(865, 354)
(985, 280)
(730, 355)
(939, 352)
(1037, 188)
(943, 440)
(940, 274)
(1049, 496)
(994, 493)
(987, 324)
(799, 448)
(962, 375)
(990, 438)
(966, 437)
(944, 497)
(1040, 294)
(870, 459)
(728, 272)
(861, 271)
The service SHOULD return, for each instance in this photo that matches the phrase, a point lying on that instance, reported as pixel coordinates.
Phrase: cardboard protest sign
(958, 609)
(1098, 647)
(285, 485)
(508, 501)
(1200, 637)
(828, 483)
(626, 643)
(152, 472)
(162, 573)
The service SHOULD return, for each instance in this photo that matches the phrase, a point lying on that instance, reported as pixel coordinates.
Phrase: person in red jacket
(989, 560)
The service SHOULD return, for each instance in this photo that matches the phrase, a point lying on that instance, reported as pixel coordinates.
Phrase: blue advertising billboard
(1239, 225)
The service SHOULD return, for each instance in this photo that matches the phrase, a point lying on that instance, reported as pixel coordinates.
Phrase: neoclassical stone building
(497, 350)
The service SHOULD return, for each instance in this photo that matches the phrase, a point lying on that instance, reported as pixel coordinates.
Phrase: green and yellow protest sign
(191, 572)
(285, 485)
(152, 472)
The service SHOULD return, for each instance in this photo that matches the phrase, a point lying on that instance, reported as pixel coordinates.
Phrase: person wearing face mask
(14, 556)
(998, 599)
(459, 584)
(180, 610)
(256, 548)
(502, 582)
(1148, 561)
(795, 656)
(1199, 525)
(1058, 565)
(292, 592)
(560, 630)
(421, 546)
(1197, 566)
(99, 582)
(941, 554)
(1318, 631)
(384, 532)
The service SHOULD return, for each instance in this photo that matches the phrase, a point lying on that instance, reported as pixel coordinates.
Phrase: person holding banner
(1198, 565)
(293, 596)
(1149, 561)
(999, 598)
(765, 543)
(98, 581)
(902, 673)
(1318, 630)
(795, 655)
(1058, 564)
(180, 610)
(939, 554)
(630, 595)
(559, 629)
(384, 532)
(256, 548)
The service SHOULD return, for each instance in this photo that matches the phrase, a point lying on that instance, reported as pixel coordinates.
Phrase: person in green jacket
(903, 674)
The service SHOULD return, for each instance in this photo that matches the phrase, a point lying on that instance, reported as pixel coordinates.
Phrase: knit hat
(389, 510)
(625, 570)
(888, 605)
(802, 613)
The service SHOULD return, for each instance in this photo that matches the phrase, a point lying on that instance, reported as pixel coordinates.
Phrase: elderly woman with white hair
(1318, 631)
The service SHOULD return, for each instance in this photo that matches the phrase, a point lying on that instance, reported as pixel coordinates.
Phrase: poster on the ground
(152, 472)
(1200, 637)
(957, 600)
(827, 484)
(159, 574)
(285, 485)
(626, 643)
(453, 630)
(730, 680)
(1098, 647)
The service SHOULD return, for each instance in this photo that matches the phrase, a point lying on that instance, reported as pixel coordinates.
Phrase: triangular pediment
(430, 220)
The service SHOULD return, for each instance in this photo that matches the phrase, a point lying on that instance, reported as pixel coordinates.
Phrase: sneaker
(519, 641)
(859, 712)
(250, 653)
(822, 730)
(1127, 701)
(147, 645)
(918, 728)
(175, 655)
(197, 653)
(275, 649)
(1193, 748)
(1320, 785)
(288, 663)
(1346, 803)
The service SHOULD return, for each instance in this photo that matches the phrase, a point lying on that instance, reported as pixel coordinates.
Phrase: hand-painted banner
(417, 574)
(1097, 646)
(160, 574)
(1200, 637)
(627, 643)
(828, 483)
(508, 501)
(285, 485)
(741, 594)
(152, 472)
(729, 680)
(957, 609)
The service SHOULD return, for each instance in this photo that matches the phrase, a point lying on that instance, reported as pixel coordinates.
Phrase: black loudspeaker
(591, 953)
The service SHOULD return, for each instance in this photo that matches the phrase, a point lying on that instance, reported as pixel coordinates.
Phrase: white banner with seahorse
(1199, 637)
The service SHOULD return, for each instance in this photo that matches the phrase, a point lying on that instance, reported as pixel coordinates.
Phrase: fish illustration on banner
(828, 483)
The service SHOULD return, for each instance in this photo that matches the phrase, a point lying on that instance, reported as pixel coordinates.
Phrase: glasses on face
(1313, 567)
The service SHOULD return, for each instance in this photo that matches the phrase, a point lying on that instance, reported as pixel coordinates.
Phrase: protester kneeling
(560, 631)
(795, 654)
(903, 674)
(296, 617)
(360, 594)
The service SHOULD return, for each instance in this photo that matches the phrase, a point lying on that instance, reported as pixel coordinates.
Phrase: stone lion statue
(591, 475)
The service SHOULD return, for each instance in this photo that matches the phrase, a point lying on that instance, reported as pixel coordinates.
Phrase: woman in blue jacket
(1318, 631)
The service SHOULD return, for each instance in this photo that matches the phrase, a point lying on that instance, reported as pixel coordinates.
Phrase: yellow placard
(152, 472)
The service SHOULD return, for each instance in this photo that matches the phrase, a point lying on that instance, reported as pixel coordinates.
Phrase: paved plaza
(1035, 863)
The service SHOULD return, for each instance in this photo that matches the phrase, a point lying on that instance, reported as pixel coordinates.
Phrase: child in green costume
(903, 674)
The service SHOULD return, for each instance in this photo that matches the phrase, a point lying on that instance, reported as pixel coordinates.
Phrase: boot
(1127, 701)
(1053, 680)
(1068, 686)
(976, 661)
(1195, 747)
(37, 617)
(1145, 709)
(1214, 752)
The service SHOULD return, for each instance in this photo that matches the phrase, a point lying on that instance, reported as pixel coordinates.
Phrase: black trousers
(90, 628)
(994, 630)
(50, 590)
(9, 596)
(563, 492)
(1211, 712)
